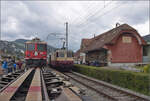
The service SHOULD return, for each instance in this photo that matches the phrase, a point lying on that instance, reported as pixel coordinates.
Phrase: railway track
(21, 93)
(48, 85)
(111, 92)
(56, 90)
(6, 80)
(37, 85)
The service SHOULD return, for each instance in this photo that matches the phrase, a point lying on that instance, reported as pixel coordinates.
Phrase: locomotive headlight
(35, 53)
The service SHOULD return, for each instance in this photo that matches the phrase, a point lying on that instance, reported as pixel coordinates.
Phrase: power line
(61, 38)
(90, 10)
(103, 14)
(91, 15)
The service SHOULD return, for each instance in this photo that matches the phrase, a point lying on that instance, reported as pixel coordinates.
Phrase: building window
(145, 51)
(126, 39)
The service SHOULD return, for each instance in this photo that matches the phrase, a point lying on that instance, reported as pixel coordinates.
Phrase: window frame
(60, 55)
(70, 53)
(43, 48)
(29, 48)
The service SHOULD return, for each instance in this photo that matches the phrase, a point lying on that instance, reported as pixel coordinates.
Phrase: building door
(109, 57)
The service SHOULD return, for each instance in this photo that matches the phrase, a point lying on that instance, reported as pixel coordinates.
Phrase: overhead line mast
(66, 35)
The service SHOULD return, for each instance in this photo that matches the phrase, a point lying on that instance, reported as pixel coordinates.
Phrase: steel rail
(113, 88)
(11, 82)
(46, 97)
(9, 93)
(92, 88)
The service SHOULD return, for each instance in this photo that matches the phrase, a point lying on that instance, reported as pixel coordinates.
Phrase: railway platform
(34, 92)
(8, 92)
(35, 85)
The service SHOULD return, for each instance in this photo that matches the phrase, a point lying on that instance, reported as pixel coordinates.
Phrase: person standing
(5, 67)
(10, 65)
(19, 64)
(15, 66)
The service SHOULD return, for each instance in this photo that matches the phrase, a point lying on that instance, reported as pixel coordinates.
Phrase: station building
(119, 46)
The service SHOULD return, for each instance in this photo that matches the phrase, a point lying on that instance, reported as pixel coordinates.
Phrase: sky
(29, 19)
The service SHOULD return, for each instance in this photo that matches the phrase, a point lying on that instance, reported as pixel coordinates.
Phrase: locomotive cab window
(56, 54)
(41, 47)
(30, 47)
(69, 54)
(61, 54)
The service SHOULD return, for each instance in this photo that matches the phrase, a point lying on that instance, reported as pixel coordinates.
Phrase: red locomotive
(35, 53)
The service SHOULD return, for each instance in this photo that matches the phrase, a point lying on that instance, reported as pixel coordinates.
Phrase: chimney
(117, 24)
(94, 35)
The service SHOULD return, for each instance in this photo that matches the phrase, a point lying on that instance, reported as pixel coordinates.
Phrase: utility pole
(0, 36)
(66, 35)
(104, 3)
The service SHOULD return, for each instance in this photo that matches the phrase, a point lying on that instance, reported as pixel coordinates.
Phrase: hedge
(147, 68)
(138, 82)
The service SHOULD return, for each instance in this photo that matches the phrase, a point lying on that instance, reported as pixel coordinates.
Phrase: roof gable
(107, 37)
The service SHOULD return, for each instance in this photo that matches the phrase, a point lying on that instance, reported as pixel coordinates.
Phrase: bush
(147, 68)
(132, 80)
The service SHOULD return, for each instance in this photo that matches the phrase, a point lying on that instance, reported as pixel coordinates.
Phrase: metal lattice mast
(66, 35)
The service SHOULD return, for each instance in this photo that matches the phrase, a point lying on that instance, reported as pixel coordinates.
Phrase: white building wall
(84, 56)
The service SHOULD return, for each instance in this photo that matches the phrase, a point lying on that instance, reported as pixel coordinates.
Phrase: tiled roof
(77, 54)
(104, 38)
(85, 43)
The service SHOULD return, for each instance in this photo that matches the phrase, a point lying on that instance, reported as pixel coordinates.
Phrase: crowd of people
(10, 65)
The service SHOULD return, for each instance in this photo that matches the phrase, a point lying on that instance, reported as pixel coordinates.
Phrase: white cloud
(22, 19)
(143, 29)
(11, 25)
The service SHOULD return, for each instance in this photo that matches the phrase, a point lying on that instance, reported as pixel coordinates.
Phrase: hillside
(9, 48)
(20, 44)
(16, 48)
